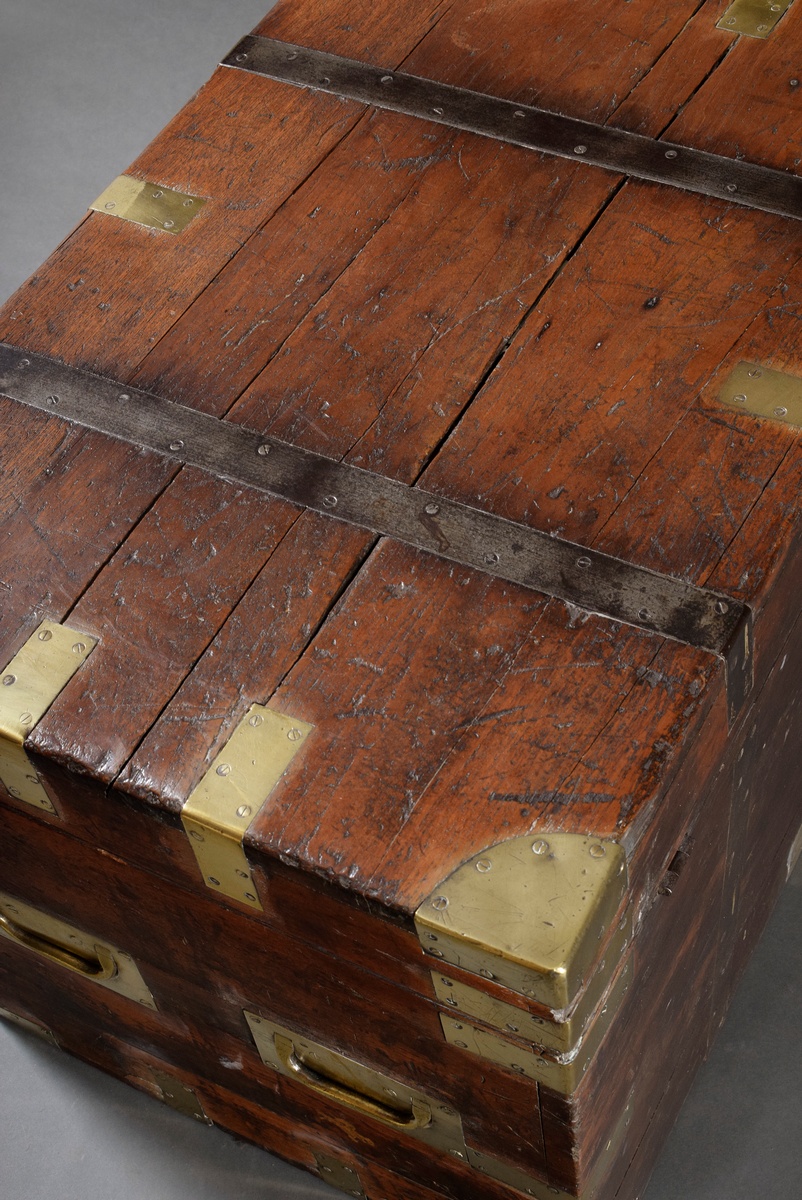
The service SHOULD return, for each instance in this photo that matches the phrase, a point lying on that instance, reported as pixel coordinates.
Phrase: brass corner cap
(529, 913)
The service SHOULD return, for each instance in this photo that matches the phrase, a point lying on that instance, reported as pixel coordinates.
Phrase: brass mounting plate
(148, 204)
(30, 683)
(753, 18)
(180, 1097)
(40, 1031)
(562, 1035)
(561, 1072)
(529, 913)
(339, 1175)
(218, 812)
(95, 959)
(358, 1088)
(764, 392)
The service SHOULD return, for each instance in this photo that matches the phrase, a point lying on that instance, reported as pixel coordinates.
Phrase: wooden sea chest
(400, 559)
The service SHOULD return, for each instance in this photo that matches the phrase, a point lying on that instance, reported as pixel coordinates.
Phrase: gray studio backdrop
(84, 85)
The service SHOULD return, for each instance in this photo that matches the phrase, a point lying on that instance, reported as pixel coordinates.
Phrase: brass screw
(244, 810)
(45, 635)
(224, 769)
(256, 720)
(197, 836)
(440, 902)
(484, 864)
(540, 847)
(781, 412)
(8, 680)
(294, 735)
(250, 896)
(216, 882)
(79, 648)
(597, 850)
(26, 718)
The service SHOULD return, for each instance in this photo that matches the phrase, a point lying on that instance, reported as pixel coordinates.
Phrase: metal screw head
(484, 864)
(671, 154)
(244, 810)
(385, 79)
(794, 82)
(26, 718)
(157, 195)
(263, 450)
(491, 558)
(293, 54)
(168, 224)
(432, 509)
(177, 445)
(24, 362)
(438, 111)
(722, 607)
(739, 399)
(755, 373)
(517, 1069)
(8, 680)
(188, 203)
(781, 412)
(733, 187)
(250, 896)
(241, 58)
(644, 614)
(580, 149)
(583, 562)
(518, 114)
(79, 648)
(440, 902)
(540, 847)
(512, 1028)
(462, 1045)
(762, 28)
(52, 399)
(212, 880)
(486, 974)
(329, 501)
(45, 635)
(243, 874)
(16, 794)
(597, 850)
(730, 20)
(197, 836)
(123, 396)
(256, 720)
(224, 769)
(294, 735)
(110, 204)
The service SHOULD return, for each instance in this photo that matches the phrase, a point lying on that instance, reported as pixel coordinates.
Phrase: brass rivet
(540, 847)
(244, 810)
(597, 850)
(79, 648)
(484, 864)
(177, 445)
(294, 735)
(440, 902)
(9, 679)
(432, 509)
(224, 769)
(263, 450)
(45, 635)
(256, 720)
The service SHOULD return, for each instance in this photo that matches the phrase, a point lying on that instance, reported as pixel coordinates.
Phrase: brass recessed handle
(417, 1116)
(100, 965)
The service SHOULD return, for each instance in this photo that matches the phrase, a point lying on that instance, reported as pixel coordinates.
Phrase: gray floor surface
(84, 85)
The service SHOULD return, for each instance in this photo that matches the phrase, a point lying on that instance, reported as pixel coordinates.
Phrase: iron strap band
(536, 129)
(508, 550)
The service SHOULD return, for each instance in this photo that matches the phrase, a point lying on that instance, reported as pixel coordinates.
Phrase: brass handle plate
(357, 1087)
(69, 947)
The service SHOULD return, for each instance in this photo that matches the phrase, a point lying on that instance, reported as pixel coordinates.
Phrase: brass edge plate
(148, 204)
(763, 392)
(753, 18)
(71, 948)
(529, 913)
(225, 802)
(34, 678)
(529, 1185)
(338, 1175)
(178, 1096)
(40, 1031)
(554, 1034)
(359, 1088)
(563, 1073)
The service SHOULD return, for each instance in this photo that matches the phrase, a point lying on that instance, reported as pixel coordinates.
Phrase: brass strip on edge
(220, 809)
(35, 677)
(178, 1096)
(339, 1175)
(148, 204)
(753, 18)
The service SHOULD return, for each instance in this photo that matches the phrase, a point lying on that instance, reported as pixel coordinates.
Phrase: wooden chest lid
(541, 339)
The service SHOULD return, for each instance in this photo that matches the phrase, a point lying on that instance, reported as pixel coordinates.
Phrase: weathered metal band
(536, 129)
(583, 577)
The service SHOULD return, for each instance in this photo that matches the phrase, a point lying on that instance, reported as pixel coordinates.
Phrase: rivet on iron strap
(533, 128)
(586, 578)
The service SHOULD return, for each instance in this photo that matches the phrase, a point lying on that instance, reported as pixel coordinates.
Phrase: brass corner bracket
(753, 18)
(30, 683)
(530, 913)
(148, 204)
(220, 809)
